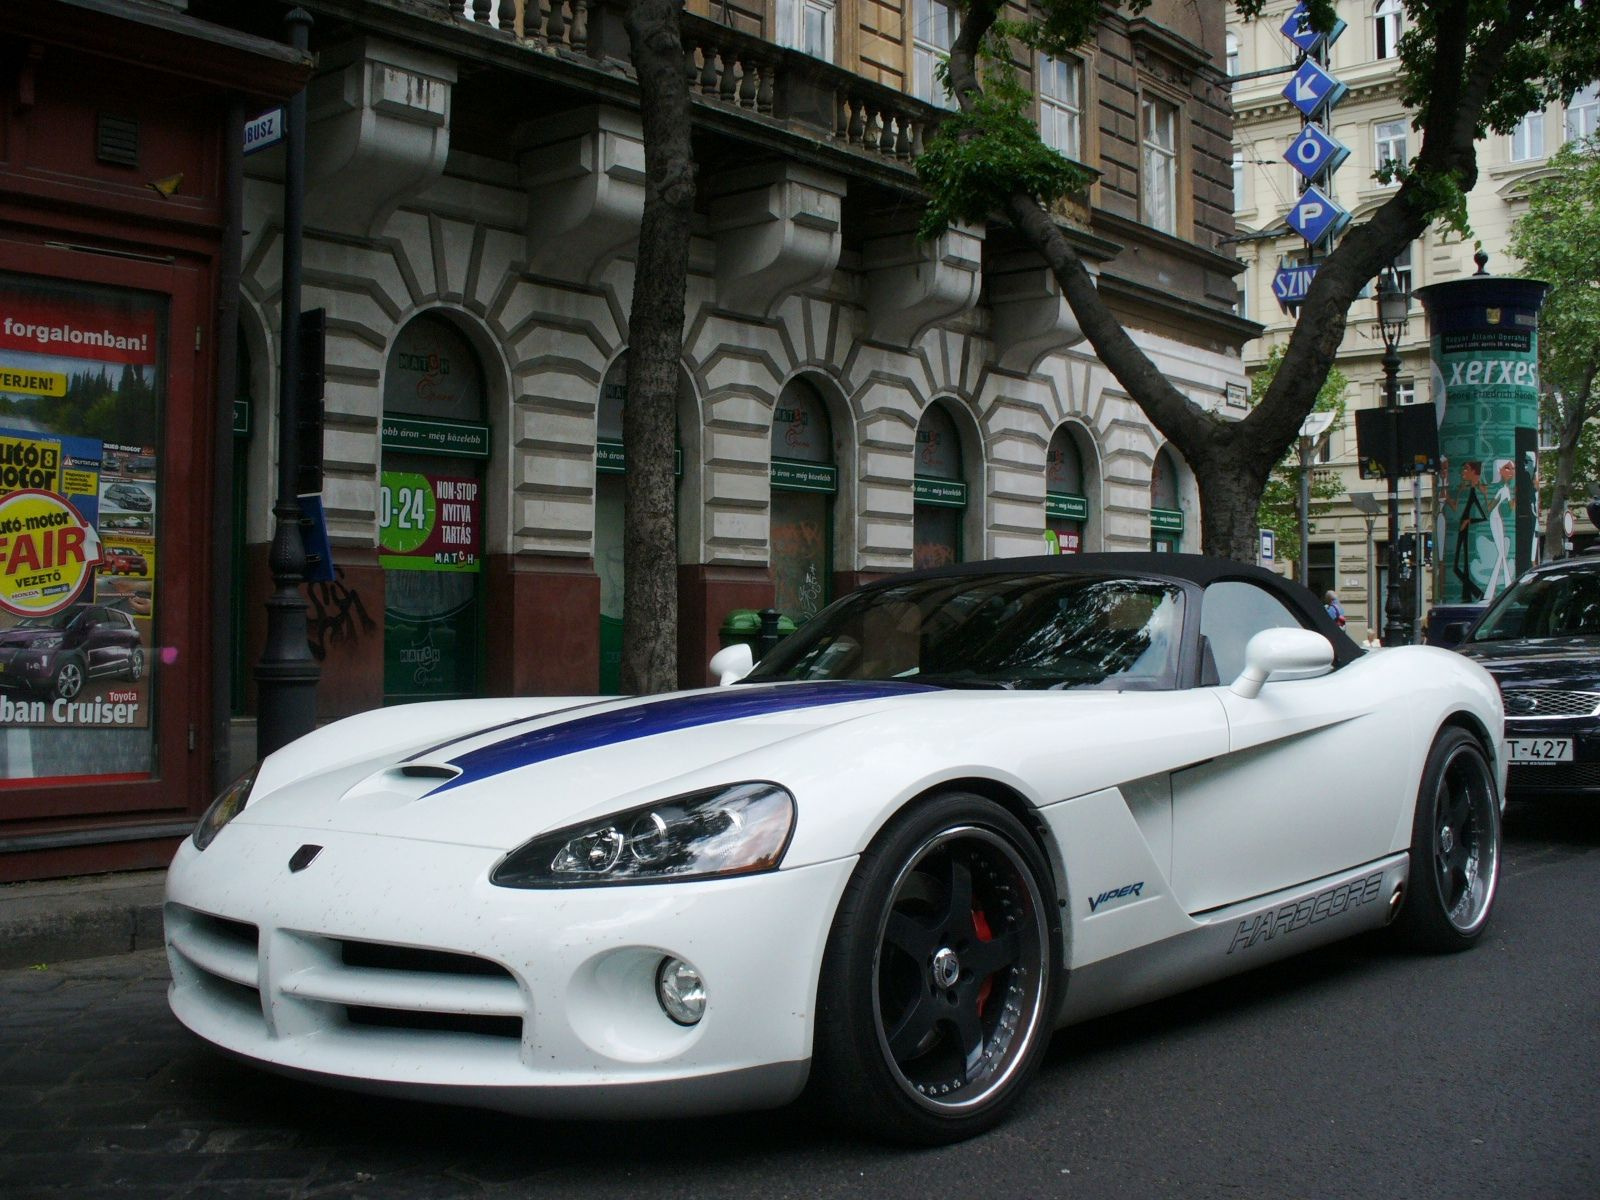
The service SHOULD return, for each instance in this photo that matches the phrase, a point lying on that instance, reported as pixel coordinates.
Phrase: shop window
(430, 514)
(82, 392)
(939, 490)
(1066, 503)
(1166, 512)
(804, 482)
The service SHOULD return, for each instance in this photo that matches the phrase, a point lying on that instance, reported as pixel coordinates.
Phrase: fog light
(681, 991)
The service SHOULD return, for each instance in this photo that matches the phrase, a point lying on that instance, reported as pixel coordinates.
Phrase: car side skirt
(1239, 937)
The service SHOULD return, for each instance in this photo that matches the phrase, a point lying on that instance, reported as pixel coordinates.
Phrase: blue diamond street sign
(1298, 30)
(1315, 216)
(1311, 88)
(1291, 284)
(1314, 152)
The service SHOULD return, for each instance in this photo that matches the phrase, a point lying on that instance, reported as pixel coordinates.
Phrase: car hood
(498, 782)
(493, 774)
(1571, 663)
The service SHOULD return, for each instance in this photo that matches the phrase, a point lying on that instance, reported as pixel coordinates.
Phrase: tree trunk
(1576, 417)
(655, 346)
(1232, 459)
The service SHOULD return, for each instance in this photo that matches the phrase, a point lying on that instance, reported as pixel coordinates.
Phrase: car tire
(67, 681)
(1455, 848)
(136, 664)
(936, 995)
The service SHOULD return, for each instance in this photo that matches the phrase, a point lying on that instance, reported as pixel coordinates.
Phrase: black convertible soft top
(1197, 569)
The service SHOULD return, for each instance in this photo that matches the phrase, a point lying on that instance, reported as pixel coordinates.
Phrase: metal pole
(1372, 598)
(1417, 609)
(226, 373)
(1395, 632)
(1305, 511)
(286, 675)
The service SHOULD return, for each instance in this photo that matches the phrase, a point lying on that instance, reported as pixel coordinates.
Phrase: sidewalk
(87, 917)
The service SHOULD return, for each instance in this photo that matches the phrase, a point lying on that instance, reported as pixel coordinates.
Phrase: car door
(1291, 801)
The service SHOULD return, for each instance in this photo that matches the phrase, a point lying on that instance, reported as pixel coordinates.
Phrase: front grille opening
(240, 933)
(412, 958)
(434, 1022)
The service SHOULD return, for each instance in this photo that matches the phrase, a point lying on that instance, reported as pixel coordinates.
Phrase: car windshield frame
(1018, 631)
(1548, 597)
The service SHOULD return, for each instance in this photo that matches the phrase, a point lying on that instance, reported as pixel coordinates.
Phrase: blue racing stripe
(661, 716)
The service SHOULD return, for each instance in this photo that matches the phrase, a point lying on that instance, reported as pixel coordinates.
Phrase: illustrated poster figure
(1471, 515)
(1504, 502)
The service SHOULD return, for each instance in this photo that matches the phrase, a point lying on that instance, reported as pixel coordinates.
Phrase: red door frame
(109, 814)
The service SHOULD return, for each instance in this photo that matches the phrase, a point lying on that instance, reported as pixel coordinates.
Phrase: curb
(89, 917)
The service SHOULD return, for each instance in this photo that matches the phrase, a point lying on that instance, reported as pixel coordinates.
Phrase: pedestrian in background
(1330, 601)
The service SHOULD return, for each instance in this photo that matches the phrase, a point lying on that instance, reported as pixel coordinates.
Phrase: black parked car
(1541, 641)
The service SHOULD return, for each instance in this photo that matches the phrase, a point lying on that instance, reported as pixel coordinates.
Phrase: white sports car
(956, 810)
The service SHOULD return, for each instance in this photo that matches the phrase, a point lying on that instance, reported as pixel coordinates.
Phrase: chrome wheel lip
(1480, 835)
(1029, 1024)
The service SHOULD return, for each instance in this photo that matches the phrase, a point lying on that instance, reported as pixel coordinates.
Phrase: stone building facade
(853, 402)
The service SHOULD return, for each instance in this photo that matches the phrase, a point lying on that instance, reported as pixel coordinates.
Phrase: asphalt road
(1355, 1071)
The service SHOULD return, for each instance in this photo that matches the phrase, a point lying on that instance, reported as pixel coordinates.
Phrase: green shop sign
(941, 493)
(610, 458)
(464, 439)
(1166, 520)
(804, 477)
(1064, 506)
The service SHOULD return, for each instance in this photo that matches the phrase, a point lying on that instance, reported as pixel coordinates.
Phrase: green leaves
(978, 159)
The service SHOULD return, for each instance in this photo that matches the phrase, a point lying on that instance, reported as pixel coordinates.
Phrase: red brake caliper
(980, 926)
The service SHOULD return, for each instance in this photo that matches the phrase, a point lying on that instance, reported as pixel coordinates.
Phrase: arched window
(1066, 504)
(804, 481)
(940, 490)
(430, 513)
(1166, 512)
(1387, 18)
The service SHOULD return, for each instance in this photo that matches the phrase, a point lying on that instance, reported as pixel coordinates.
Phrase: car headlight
(228, 805)
(731, 830)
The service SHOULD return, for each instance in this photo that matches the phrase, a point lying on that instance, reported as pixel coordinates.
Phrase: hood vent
(394, 787)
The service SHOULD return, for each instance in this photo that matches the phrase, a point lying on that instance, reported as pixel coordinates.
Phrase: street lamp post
(1393, 306)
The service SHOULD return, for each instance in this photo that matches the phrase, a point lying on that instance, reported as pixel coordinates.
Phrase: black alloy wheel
(935, 997)
(1455, 847)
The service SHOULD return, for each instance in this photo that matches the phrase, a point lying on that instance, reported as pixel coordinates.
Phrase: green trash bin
(744, 625)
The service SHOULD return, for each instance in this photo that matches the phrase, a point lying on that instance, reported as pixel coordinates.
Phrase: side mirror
(732, 663)
(1454, 632)
(1282, 654)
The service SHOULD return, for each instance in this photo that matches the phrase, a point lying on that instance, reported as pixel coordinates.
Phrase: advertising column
(1485, 346)
(80, 402)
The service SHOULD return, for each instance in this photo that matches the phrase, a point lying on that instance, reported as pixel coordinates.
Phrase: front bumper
(395, 967)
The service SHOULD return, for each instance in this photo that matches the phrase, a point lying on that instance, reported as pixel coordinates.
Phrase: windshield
(1009, 631)
(1547, 605)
